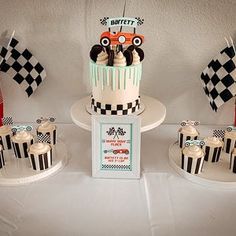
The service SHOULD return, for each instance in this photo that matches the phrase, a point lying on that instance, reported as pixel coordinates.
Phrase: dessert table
(161, 203)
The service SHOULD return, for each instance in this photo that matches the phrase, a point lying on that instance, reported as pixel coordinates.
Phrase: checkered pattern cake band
(218, 78)
(121, 109)
(23, 67)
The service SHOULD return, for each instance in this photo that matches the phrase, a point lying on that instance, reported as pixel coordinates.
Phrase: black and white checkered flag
(7, 120)
(4, 55)
(23, 67)
(218, 78)
(219, 133)
(43, 138)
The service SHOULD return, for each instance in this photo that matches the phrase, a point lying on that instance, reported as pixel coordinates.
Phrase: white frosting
(188, 130)
(5, 129)
(231, 134)
(136, 58)
(39, 148)
(213, 142)
(102, 58)
(22, 136)
(193, 151)
(119, 59)
(46, 127)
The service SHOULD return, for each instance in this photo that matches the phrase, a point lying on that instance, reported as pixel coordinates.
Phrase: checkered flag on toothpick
(23, 67)
(43, 138)
(4, 55)
(219, 133)
(7, 120)
(219, 78)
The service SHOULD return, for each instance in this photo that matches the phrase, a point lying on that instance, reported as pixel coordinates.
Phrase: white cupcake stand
(214, 175)
(18, 171)
(152, 113)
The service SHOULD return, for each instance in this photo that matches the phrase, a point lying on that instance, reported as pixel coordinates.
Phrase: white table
(160, 203)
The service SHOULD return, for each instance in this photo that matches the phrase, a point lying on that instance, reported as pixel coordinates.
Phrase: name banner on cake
(116, 146)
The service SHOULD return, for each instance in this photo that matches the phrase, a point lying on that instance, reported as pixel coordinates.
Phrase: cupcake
(2, 160)
(229, 141)
(21, 142)
(46, 127)
(232, 165)
(185, 133)
(212, 149)
(192, 159)
(40, 156)
(5, 137)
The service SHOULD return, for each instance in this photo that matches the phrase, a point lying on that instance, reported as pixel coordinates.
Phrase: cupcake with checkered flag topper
(187, 132)
(46, 126)
(22, 140)
(40, 153)
(212, 149)
(6, 133)
(192, 156)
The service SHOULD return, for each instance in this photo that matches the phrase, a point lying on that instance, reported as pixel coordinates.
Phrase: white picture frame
(116, 146)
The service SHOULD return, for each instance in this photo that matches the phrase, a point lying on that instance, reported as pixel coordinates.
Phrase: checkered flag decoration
(43, 138)
(4, 55)
(218, 78)
(23, 67)
(7, 120)
(219, 133)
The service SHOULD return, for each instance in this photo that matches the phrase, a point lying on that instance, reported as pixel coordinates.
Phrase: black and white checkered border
(120, 109)
(120, 167)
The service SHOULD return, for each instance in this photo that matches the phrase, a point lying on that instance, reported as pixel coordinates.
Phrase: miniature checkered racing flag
(218, 78)
(23, 67)
(219, 133)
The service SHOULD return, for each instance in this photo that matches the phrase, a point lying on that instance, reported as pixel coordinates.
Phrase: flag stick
(12, 35)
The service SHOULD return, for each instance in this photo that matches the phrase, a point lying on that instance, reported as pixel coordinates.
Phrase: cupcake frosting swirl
(136, 58)
(119, 59)
(102, 58)
(5, 129)
(188, 130)
(39, 148)
(231, 134)
(22, 136)
(213, 142)
(46, 127)
(193, 151)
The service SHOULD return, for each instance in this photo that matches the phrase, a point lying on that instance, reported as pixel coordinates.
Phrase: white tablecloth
(160, 203)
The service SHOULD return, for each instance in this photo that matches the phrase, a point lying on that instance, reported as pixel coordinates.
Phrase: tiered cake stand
(152, 113)
(214, 175)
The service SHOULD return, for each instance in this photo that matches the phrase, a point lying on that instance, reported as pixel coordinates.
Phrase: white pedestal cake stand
(18, 171)
(215, 175)
(153, 114)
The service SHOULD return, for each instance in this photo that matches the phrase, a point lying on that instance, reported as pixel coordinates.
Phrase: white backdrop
(182, 36)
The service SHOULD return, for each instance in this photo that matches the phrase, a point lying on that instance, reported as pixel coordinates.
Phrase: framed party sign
(116, 147)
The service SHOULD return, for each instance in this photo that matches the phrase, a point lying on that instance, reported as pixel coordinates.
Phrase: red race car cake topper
(108, 38)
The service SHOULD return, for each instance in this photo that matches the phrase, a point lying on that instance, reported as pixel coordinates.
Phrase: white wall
(181, 38)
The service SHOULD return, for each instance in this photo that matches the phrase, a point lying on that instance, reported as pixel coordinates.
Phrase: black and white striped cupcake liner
(229, 145)
(51, 134)
(192, 165)
(182, 138)
(21, 149)
(232, 165)
(212, 154)
(120, 109)
(2, 160)
(41, 161)
(5, 141)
